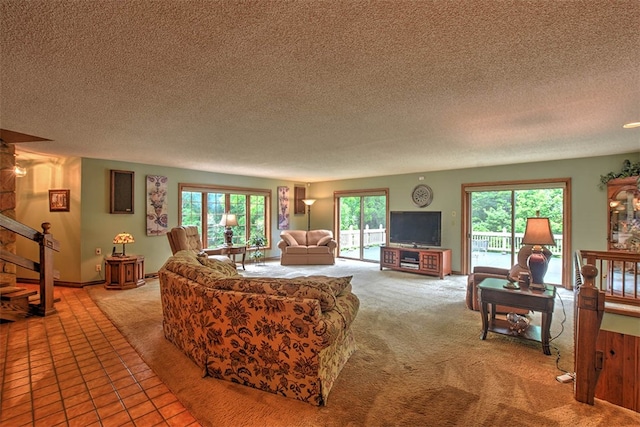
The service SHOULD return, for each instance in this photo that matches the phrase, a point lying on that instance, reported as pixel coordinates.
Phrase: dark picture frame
(59, 200)
(300, 193)
(122, 192)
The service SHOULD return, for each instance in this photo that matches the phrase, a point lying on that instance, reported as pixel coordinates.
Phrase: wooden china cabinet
(623, 198)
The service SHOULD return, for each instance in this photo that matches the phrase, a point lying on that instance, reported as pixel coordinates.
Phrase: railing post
(47, 245)
(588, 361)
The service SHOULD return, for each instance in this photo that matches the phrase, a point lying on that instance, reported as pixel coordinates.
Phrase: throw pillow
(289, 239)
(323, 241)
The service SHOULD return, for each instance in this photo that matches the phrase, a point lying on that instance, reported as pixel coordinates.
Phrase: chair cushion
(318, 249)
(296, 249)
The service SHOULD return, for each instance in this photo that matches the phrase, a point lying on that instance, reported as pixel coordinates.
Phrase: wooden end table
(231, 251)
(492, 292)
(124, 272)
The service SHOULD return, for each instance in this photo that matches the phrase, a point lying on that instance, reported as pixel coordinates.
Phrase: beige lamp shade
(229, 220)
(538, 232)
(308, 202)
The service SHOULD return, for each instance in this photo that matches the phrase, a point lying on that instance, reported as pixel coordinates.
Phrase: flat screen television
(419, 229)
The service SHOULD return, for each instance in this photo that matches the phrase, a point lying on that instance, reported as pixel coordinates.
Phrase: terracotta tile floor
(74, 368)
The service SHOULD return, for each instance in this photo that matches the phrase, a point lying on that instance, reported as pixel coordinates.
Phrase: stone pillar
(7, 208)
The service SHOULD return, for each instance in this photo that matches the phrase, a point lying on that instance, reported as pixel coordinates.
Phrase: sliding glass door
(361, 223)
(496, 217)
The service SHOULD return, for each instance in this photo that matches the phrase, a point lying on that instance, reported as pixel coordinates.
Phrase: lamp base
(537, 264)
(228, 236)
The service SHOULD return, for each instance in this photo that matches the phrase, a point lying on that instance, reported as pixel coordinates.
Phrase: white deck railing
(481, 241)
(371, 237)
(501, 242)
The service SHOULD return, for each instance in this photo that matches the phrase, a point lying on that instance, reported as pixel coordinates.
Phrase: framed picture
(157, 211)
(300, 193)
(283, 208)
(59, 200)
(122, 192)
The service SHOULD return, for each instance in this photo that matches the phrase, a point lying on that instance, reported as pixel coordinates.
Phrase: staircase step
(9, 289)
(19, 294)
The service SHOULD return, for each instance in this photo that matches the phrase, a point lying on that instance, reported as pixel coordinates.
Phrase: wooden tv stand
(432, 262)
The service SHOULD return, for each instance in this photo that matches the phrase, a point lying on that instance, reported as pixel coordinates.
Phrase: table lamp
(228, 220)
(538, 233)
(123, 238)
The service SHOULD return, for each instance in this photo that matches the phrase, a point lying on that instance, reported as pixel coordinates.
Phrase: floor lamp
(308, 202)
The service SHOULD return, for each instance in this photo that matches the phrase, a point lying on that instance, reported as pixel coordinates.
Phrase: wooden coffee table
(492, 292)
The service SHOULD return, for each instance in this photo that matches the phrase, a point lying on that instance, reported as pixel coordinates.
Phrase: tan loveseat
(307, 247)
(285, 336)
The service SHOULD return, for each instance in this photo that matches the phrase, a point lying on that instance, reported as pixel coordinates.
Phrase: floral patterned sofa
(286, 336)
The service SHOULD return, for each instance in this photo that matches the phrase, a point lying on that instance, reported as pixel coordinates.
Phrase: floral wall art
(157, 220)
(283, 208)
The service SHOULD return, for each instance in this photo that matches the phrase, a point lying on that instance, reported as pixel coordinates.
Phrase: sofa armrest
(282, 244)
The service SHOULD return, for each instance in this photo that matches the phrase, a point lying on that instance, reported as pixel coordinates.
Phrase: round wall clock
(422, 195)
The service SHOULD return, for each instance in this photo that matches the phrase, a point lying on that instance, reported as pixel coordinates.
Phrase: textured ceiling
(315, 90)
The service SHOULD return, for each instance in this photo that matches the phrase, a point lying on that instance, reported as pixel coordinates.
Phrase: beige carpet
(420, 362)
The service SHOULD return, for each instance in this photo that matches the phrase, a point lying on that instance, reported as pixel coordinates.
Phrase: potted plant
(628, 169)
(257, 241)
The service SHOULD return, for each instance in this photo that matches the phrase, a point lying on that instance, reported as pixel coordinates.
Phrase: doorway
(361, 218)
(495, 220)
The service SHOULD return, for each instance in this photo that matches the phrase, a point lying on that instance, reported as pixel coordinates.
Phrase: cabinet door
(624, 214)
(389, 257)
(430, 262)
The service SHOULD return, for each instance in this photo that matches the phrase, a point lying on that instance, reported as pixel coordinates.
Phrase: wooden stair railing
(589, 309)
(619, 275)
(45, 265)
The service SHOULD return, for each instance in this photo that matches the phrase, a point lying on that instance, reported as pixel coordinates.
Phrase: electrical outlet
(98, 251)
(98, 267)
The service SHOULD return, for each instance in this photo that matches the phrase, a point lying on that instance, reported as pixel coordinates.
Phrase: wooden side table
(231, 251)
(492, 292)
(124, 272)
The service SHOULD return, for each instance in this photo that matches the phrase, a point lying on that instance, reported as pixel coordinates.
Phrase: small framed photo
(59, 200)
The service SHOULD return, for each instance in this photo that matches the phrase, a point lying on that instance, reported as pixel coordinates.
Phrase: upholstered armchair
(188, 238)
(480, 273)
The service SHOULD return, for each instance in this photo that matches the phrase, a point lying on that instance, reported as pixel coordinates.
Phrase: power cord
(557, 350)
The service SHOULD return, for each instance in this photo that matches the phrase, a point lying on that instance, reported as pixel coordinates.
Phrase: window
(203, 206)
